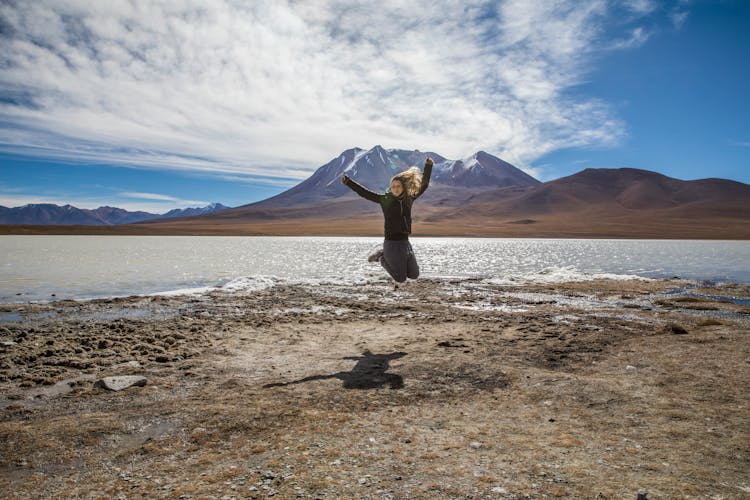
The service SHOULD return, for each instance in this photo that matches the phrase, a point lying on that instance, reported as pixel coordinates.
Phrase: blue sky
(157, 105)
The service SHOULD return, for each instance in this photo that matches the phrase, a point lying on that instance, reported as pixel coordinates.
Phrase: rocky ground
(439, 389)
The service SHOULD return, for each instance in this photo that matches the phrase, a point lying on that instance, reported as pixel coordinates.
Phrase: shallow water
(36, 267)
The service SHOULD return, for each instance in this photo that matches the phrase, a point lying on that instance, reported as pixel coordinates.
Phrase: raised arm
(359, 189)
(425, 177)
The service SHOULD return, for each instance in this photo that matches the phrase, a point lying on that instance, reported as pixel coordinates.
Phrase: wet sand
(439, 389)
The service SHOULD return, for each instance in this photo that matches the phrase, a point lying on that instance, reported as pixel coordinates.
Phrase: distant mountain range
(480, 195)
(51, 214)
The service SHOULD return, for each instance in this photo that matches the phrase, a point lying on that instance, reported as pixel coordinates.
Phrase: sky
(154, 105)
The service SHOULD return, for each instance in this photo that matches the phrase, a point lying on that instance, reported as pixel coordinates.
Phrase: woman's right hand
(344, 178)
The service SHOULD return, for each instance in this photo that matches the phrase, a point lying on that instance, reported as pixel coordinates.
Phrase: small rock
(476, 445)
(631, 368)
(120, 382)
(676, 329)
(268, 475)
(499, 489)
(7, 343)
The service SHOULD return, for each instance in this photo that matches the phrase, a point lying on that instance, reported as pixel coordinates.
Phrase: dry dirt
(438, 389)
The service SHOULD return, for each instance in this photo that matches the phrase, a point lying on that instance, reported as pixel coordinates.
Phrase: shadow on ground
(368, 373)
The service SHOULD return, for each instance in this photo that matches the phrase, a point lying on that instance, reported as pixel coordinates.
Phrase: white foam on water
(560, 275)
(249, 284)
(199, 290)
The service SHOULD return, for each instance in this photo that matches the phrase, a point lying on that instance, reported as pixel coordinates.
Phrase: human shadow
(368, 373)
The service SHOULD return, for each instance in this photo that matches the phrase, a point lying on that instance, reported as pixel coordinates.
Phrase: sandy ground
(438, 389)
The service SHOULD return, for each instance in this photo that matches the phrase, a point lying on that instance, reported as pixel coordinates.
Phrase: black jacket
(396, 210)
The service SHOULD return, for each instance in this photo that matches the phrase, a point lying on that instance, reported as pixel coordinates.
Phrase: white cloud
(278, 88)
(640, 6)
(147, 196)
(162, 197)
(679, 18)
(636, 37)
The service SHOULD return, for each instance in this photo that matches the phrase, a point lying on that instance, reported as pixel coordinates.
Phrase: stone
(476, 445)
(128, 364)
(121, 382)
(676, 329)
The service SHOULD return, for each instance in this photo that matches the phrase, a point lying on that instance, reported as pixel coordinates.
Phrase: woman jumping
(397, 255)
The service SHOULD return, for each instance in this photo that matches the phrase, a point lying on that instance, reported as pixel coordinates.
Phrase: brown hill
(614, 202)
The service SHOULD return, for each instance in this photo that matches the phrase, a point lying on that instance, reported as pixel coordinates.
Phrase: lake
(81, 267)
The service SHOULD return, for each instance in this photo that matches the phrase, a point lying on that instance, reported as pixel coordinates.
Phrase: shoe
(375, 256)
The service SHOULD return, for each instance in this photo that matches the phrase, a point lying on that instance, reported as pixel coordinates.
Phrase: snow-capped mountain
(49, 213)
(374, 168)
(481, 169)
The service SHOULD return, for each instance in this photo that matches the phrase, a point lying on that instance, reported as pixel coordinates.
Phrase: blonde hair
(411, 180)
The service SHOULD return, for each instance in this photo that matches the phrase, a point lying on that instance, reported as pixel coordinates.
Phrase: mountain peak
(482, 169)
(374, 168)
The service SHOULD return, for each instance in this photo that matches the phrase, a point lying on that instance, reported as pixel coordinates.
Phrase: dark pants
(399, 260)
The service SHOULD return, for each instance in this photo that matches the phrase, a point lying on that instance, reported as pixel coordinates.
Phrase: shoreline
(703, 234)
(441, 388)
(262, 282)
